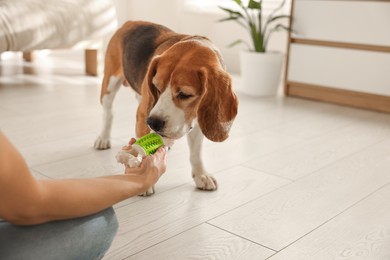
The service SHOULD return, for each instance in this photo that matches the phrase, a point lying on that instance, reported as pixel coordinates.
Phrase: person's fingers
(159, 157)
(129, 146)
(158, 160)
(132, 141)
(162, 153)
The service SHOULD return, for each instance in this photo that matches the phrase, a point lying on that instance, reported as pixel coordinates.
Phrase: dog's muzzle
(156, 124)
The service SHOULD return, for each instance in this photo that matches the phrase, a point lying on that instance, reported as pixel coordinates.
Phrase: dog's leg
(103, 141)
(202, 179)
(148, 193)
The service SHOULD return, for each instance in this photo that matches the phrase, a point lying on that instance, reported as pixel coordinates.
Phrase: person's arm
(25, 200)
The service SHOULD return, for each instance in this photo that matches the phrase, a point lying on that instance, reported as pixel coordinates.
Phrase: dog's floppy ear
(218, 106)
(150, 93)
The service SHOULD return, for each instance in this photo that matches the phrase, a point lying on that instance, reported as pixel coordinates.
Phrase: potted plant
(260, 69)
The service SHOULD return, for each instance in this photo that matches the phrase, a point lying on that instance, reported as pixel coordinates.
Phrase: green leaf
(239, 2)
(257, 39)
(278, 17)
(278, 8)
(254, 5)
(228, 19)
(231, 12)
(240, 42)
(233, 15)
(281, 26)
(235, 43)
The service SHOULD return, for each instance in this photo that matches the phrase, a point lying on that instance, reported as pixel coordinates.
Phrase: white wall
(222, 34)
(163, 12)
(172, 14)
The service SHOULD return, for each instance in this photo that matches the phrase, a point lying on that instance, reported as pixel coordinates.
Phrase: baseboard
(338, 96)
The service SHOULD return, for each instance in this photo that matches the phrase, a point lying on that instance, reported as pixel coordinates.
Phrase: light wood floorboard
(361, 232)
(287, 214)
(203, 242)
(307, 157)
(148, 222)
(298, 179)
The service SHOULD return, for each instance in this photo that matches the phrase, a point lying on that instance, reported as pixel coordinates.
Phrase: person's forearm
(25, 200)
(69, 198)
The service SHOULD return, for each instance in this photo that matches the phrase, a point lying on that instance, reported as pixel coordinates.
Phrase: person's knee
(112, 222)
(101, 229)
(82, 238)
(108, 230)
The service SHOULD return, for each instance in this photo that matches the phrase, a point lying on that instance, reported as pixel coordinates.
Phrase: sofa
(30, 25)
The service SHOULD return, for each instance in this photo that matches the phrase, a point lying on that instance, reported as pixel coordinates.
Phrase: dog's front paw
(148, 193)
(205, 182)
(102, 143)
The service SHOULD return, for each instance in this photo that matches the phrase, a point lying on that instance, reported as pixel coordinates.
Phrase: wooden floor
(297, 179)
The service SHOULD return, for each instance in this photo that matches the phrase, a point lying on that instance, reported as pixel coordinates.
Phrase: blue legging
(81, 238)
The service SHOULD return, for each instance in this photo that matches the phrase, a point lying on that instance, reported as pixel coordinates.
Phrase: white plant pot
(261, 72)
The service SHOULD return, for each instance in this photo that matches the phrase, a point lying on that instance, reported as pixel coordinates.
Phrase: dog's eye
(183, 96)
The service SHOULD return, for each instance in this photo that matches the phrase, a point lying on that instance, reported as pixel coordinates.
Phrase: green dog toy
(146, 145)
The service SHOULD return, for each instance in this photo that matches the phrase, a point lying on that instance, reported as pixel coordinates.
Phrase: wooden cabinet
(339, 52)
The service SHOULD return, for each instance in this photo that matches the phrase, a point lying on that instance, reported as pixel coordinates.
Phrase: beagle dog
(182, 84)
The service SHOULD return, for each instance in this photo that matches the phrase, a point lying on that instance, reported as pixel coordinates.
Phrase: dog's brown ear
(218, 106)
(149, 98)
(150, 93)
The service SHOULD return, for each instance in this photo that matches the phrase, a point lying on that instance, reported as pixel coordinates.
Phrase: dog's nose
(155, 124)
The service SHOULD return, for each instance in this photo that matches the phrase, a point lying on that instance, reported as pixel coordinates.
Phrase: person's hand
(129, 146)
(151, 168)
